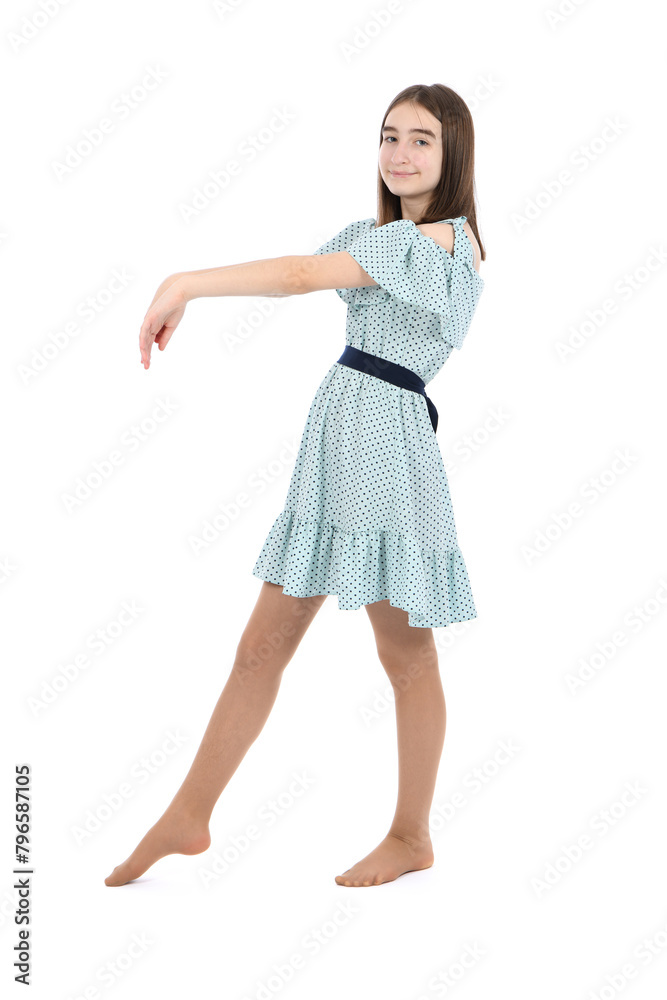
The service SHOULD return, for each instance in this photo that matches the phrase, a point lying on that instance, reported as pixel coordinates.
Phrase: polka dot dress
(368, 515)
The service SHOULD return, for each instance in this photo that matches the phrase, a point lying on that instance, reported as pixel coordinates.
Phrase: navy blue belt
(390, 372)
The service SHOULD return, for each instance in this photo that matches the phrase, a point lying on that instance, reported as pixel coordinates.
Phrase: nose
(399, 157)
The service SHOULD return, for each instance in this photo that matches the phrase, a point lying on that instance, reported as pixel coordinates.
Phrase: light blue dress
(368, 514)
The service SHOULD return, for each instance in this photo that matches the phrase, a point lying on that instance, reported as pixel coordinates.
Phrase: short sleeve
(414, 269)
(341, 241)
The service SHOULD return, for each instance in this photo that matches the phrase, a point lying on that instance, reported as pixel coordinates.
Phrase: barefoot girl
(368, 514)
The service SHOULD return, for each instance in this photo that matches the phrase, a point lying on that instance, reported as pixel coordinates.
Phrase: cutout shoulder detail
(427, 230)
(415, 270)
(461, 250)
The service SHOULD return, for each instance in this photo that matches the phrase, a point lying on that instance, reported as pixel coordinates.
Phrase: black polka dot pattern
(368, 515)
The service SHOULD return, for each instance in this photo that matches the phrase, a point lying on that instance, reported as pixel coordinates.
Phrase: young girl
(368, 514)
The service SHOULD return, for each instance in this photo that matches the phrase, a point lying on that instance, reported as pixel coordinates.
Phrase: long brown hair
(454, 195)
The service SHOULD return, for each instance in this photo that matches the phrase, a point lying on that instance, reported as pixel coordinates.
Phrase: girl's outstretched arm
(169, 281)
(292, 275)
(274, 276)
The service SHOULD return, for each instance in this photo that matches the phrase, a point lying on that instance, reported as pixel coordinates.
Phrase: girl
(368, 514)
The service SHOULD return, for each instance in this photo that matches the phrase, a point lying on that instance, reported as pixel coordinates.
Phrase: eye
(388, 137)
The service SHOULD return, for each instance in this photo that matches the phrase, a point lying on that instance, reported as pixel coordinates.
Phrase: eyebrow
(423, 131)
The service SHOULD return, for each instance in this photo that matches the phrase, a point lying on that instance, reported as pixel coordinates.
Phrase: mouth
(399, 173)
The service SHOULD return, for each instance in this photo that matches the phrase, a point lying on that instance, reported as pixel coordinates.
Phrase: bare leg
(270, 639)
(410, 658)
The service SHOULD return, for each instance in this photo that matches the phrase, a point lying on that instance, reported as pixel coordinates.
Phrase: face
(410, 157)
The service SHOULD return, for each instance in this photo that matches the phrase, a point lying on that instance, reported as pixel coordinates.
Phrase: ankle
(414, 838)
(187, 814)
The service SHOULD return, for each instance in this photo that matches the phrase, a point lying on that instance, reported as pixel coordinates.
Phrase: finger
(145, 344)
(164, 336)
(146, 336)
(148, 324)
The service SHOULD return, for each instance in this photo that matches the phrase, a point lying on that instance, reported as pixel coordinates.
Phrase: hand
(164, 314)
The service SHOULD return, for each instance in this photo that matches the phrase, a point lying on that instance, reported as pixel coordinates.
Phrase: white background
(543, 90)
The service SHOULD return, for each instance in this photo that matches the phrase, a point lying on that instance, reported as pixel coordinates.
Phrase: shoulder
(442, 233)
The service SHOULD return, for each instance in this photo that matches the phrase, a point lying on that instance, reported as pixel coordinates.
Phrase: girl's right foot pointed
(174, 833)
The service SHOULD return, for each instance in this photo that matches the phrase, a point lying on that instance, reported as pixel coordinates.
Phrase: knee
(403, 666)
(261, 655)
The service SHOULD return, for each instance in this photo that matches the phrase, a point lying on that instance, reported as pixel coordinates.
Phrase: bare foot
(391, 858)
(174, 833)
